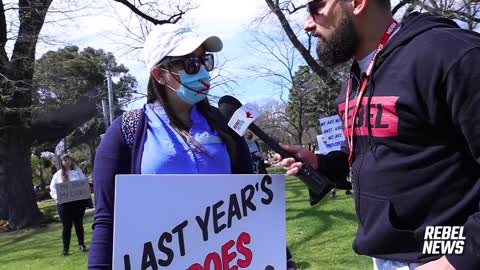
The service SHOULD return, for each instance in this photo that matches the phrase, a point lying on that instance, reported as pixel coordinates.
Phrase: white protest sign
(332, 132)
(322, 147)
(243, 117)
(72, 191)
(199, 222)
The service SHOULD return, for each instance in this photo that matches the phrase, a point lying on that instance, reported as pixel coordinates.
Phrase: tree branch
(294, 8)
(173, 19)
(3, 35)
(448, 13)
(322, 73)
(435, 9)
(400, 5)
(77, 137)
(54, 125)
(135, 10)
(32, 16)
(433, 3)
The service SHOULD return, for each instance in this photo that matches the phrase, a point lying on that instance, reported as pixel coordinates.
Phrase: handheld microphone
(319, 184)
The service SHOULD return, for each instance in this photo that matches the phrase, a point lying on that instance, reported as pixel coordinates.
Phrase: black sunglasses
(192, 64)
(314, 6)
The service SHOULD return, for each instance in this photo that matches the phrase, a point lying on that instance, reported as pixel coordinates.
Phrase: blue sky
(232, 21)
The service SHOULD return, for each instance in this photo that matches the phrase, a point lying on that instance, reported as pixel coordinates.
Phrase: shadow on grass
(303, 265)
(29, 246)
(32, 244)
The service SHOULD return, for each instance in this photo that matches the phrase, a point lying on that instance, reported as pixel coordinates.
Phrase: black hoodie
(417, 154)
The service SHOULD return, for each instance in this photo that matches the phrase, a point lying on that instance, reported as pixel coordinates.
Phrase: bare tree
(280, 9)
(304, 97)
(274, 121)
(467, 11)
(277, 56)
(143, 16)
(278, 64)
(150, 10)
(20, 25)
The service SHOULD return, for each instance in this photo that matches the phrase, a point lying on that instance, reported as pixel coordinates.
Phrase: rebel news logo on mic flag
(243, 117)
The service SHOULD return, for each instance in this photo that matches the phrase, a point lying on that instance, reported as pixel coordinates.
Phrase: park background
(58, 58)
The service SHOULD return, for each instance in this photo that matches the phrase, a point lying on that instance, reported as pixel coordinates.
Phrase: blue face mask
(194, 87)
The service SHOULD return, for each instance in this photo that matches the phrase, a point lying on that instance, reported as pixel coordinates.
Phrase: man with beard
(410, 111)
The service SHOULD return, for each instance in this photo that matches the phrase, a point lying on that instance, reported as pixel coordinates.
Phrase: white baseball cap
(175, 40)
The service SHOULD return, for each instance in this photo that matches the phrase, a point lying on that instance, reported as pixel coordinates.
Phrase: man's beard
(341, 45)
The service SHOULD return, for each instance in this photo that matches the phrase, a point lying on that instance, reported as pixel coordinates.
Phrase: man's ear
(359, 6)
(158, 75)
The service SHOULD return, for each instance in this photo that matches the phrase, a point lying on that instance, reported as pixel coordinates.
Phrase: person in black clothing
(71, 213)
(291, 264)
(410, 111)
(256, 152)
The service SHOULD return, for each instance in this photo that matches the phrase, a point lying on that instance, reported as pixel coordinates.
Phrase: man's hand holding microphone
(291, 165)
(298, 160)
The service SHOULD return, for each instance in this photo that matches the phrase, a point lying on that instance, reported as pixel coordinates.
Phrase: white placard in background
(160, 220)
(322, 147)
(332, 135)
(72, 191)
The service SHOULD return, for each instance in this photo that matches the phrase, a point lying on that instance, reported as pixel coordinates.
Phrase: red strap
(349, 133)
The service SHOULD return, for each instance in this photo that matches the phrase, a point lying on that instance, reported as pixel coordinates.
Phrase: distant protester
(71, 213)
(258, 157)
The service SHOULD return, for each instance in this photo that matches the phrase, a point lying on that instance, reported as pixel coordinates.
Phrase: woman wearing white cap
(176, 132)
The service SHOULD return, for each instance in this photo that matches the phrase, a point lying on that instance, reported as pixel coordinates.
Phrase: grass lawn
(40, 249)
(319, 237)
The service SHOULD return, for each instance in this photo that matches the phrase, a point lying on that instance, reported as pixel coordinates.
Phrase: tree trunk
(3, 193)
(3, 178)
(16, 179)
(311, 62)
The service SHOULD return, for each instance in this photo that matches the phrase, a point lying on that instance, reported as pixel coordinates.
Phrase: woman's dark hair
(64, 170)
(158, 92)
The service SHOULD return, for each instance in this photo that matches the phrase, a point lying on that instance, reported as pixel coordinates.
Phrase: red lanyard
(351, 132)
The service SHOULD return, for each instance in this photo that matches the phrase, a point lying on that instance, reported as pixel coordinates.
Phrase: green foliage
(62, 76)
(35, 170)
(81, 156)
(309, 100)
(49, 211)
(41, 170)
